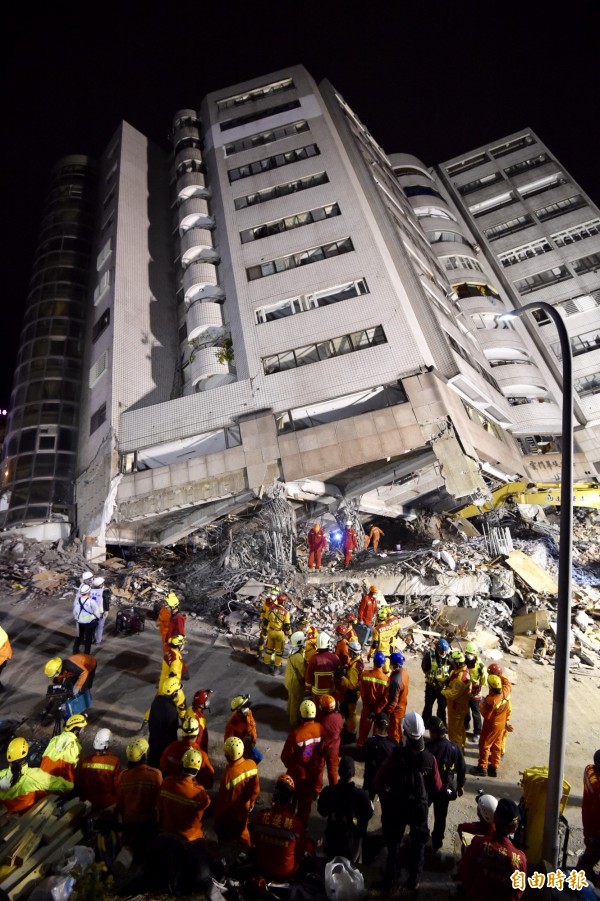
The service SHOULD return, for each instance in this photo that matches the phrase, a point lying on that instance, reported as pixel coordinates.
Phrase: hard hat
(98, 582)
(286, 780)
(382, 615)
(86, 576)
(136, 749)
(348, 523)
(397, 659)
(378, 658)
(494, 669)
(323, 641)
(192, 759)
(486, 807)
(240, 701)
(311, 632)
(506, 811)
(350, 618)
(317, 527)
(177, 641)
(171, 686)
(457, 657)
(102, 739)
(437, 725)
(274, 592)
(341, 629)
(327, 702)
(471, 648)
(18, 749)
(201, 700)
(77, 721)
(354, 646)
(413, 725)
(442, 645)
(297, 640)
(233, 748)
(373, 589)
(53, 667)
(172, 599)
(495, 682)
(282, 597)
(190, 726)
(308, 710)
(84, 589)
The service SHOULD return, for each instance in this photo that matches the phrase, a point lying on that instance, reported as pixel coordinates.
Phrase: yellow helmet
(77, 721)
(382, 615)
(233, 748)
(53, 667)
(373, 589)
(171, 686)
(18, 749)
(190, 725)
(317, 527)
(308, 710)
(177, 641)
(495, 682)
(172, 599)
(136, 750)
(240, 701)
(192, 759)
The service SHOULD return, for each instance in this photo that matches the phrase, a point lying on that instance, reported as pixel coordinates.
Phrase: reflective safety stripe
(374, 679)
(97, 766)
(247, 775)
(191, 802)
(309, 741)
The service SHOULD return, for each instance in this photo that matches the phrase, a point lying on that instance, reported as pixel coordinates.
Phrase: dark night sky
(435, 79)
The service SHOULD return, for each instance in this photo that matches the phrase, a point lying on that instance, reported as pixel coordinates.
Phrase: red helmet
(283, 597)
(350, 618)
(327, 702)
(341, 630)
(310, 633)
(494, 669)
(201, 699)
(286, 779)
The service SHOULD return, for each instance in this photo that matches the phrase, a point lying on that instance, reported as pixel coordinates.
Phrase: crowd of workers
(167, 784)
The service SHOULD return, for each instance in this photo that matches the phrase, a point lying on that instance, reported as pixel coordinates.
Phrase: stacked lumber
(34, 841)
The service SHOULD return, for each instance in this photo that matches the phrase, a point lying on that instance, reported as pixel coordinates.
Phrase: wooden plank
(530, 622)
(44, 856)
(23, 888)
(29, 843)
(532, 573)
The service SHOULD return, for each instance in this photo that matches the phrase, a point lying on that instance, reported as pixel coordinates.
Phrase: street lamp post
(556, 763)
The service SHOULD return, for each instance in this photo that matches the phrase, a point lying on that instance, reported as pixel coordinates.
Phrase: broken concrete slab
(531, 622)
(531, 573)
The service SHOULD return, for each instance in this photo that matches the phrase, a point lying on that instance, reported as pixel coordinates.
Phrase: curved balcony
(536, 419)
(482, 304)
(197, 277)
(408, 161)
(197, 244)
(191, 184)
(183, 132)
(519, 378)
(204, 364)
(188, 154)
(494, 342)
(193, 213)
(203, 318)
(184, 114)
(215, 381)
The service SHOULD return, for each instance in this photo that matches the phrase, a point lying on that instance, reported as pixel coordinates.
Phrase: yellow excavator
(547, 494)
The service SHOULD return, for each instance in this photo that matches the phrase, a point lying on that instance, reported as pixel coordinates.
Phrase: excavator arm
(547, 494)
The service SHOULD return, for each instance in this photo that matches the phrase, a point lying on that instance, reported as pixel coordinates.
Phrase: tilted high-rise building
(280, 300)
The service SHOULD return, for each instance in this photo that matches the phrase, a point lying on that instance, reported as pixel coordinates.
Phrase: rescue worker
(102, 596)
(375, 751)
(170, 761)
(137, 794)
(238, 790)
(457, 694)
(176, 624)
(267, 605)
(317, 542)
(86, 613)
(172, 662)
(451, 766)
(182, 800)
(494, 669)
(348, 690)
(374, 537)
(374, 694)
(97, 775)
(295, 671)
(321, 670)
(301, 756)
(349, 543)
(21, 785)
(278, 835)
(86, 579)
(590, 817)
(167, 708)
(348, 810)
(397, 698)
(164, 616)
(242, 724)
(496, 711)
(367, 610)
(311, 634)
(406, 783)
(490, 860)
(341, 648)
(436, 666)
(486, 805)
(478, 676)
(278, 629)
(63, 751)
(75, 673)
(385, 632)
(200, 704)
(5, 653)
(331, 723)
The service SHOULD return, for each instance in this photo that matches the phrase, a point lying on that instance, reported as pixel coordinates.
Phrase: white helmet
(297, 640)
(98, 582)
(348, 523)
(486, 806)
(86, 576)
(323, 641)
(102, 739)
(413, 725)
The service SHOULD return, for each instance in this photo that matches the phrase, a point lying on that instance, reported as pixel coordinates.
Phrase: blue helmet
(397, 659)
(379, 658)
(442, 645)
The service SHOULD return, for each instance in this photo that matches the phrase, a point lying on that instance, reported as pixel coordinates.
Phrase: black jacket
(348, 810)
(451, 761)
(163, 723)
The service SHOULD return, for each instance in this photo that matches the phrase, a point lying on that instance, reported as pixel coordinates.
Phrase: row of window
(525, 252)
(324, 350)
(259, 114)
(100, 325)
(488, 424)
(588, 385)
(496, 152)
(273, 162)
(33, 414)
(438, 237)
(482, 182)
(304, 302)
(290, 187)
(526, 165)
(576, 233)
(557, 274)
(418, 190)
(267, 137)
(276, 87)
(461, 262)
(568, 205)
(460, 350)
(534, 188)
(521, 401)
(471, 289)
(289, 222)
(339, 408)
(424, 211)
(580, 344)
(503, 229)
(301, 258)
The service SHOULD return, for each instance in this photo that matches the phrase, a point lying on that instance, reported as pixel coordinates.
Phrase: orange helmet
(311, 633)
(327, 702)
(316, 527)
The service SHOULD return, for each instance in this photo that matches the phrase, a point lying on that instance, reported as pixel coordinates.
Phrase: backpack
(407, 790)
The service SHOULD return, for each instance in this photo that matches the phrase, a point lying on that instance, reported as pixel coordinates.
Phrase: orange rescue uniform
(495, 712)
(374, 694)
(396, 703)
(170, 762)
(238, 791)
(137, 795)
(181, 804)
(96, 779)
(242, 727)
(162, 621)
(302, 756)
(280, 842)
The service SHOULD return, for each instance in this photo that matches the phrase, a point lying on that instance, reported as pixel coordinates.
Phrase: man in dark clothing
(491, 866)
(375, 752)
(348, 810)
(451, 764)
(163, 721)
(406, 784)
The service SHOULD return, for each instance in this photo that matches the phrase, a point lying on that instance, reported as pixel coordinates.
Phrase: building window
(107, 224)
(479, 183)
(493, 203)
(542, 279)
(289, 223)
(461, 262)
(471, 289)
(540, 444)
(103, 255)
(580, 344)
(465, 165)
(273, 162)
(582, 304)
(108, 197)
(419, 190)
(503, 229)
(525, 252)
(267, 137)
(99, 368)
(262, 114)
(305, 302)
(276, 87)
(340, 408)
(97, 418)
(291, 187)
(183, 332)
(588, 385)
(576, 233)
(541, 184)
(424, 211)
(511, 146)
(561, 206)
(541, 317)
(100, 325)
(302, 258)
(525, 165)
(479, 417)
(102, 287)
(324, 350)
(459, 349)
(587, 264)
(439, 237)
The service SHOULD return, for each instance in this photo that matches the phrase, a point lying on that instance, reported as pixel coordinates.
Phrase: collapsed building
(277, 301)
